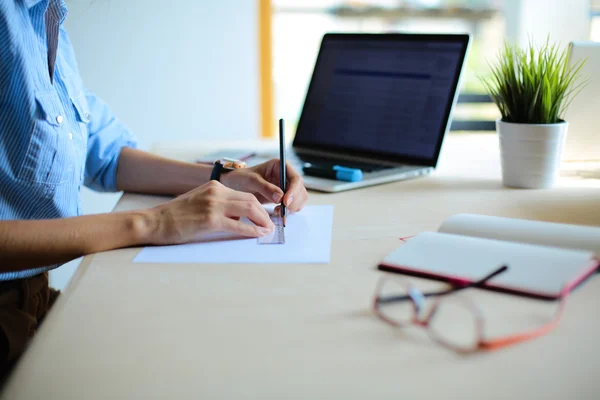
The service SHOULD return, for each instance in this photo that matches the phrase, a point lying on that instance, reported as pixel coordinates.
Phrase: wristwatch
(224, 165)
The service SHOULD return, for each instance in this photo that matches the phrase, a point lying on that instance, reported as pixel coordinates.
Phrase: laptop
(583, 133)
(381, 103)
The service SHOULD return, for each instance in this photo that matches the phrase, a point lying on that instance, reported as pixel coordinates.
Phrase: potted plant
(532, 89)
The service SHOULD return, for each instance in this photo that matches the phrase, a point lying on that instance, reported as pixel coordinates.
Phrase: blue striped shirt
(55, 135)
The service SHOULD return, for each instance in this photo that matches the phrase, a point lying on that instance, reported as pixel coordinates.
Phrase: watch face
(231, 164)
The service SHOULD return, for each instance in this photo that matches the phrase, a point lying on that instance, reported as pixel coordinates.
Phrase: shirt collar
(61, 10)
(31, 3)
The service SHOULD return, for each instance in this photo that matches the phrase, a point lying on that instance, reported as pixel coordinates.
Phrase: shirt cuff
(103, 162)
(110, 181)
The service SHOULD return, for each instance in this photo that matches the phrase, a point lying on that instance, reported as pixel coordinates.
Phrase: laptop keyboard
(329, 162)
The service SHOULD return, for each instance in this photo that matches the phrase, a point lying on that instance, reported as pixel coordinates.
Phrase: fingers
(263, 182)
(277, 211)
(230, 205)
(265, 189)
(262, 199)
(296, 195)
(291, 172)
(240, 228)
(235, 195)
(246, 196)
(210, 208)
(251, 210)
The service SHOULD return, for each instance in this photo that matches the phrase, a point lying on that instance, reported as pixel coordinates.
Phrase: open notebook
(543, 258)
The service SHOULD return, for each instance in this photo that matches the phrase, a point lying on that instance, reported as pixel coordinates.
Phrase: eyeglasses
(453, 321)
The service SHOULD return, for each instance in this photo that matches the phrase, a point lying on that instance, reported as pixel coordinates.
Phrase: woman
(55, 135)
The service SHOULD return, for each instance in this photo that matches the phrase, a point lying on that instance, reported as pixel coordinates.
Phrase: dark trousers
(23, 305)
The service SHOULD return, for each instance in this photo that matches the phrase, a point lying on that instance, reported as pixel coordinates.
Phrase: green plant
(533, 86)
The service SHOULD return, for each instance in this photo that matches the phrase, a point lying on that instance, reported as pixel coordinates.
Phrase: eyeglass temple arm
(483, 280)
(461, 285)
(393, 299)
(495, 344)
(456, 286)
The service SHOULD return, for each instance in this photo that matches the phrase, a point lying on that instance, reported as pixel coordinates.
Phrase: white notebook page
(537, 269)
(524, 231)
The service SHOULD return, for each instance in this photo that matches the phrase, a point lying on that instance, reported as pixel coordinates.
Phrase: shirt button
(70, 136)
(87, 115)
(59, 119)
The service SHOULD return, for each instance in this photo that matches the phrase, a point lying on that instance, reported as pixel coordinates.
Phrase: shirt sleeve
(106, 137)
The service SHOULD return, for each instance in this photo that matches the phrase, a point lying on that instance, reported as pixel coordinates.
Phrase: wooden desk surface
(185, 331)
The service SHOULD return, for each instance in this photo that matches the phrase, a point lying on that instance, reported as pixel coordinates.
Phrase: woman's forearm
(143, 172)
(36, 243)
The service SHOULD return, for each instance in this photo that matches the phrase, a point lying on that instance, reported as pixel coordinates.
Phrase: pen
(336, 172)
(282, 166)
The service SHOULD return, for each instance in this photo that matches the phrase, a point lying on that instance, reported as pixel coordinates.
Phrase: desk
(136, 331)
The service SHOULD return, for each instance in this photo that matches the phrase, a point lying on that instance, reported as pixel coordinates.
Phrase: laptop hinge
(338, 156)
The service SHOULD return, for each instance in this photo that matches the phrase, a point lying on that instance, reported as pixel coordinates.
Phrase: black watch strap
(222, 166)
(216, 171)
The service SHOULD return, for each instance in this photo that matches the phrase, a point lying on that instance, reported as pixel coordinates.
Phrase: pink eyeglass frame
(482, 344)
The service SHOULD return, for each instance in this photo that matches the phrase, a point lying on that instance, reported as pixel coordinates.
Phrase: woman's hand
(263, 182)
(210, 208)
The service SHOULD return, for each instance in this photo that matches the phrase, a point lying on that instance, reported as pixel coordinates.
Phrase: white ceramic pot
(530, 153)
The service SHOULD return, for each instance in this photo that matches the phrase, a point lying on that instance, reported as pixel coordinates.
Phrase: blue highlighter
(336, 172)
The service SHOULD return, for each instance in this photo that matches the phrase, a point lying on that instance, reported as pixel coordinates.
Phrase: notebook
(543, 258)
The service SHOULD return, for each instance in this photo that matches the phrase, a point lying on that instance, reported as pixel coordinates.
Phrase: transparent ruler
(275, 237)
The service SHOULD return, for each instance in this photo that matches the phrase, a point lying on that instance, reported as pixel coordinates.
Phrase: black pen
(282, 167)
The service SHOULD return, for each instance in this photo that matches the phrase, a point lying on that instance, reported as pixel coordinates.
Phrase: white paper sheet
(307, 240)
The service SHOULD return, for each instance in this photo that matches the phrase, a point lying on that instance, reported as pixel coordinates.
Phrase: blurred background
(298, 26)
(202, 70)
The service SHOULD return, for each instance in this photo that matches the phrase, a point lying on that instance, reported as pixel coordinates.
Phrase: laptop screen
(385, 96)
